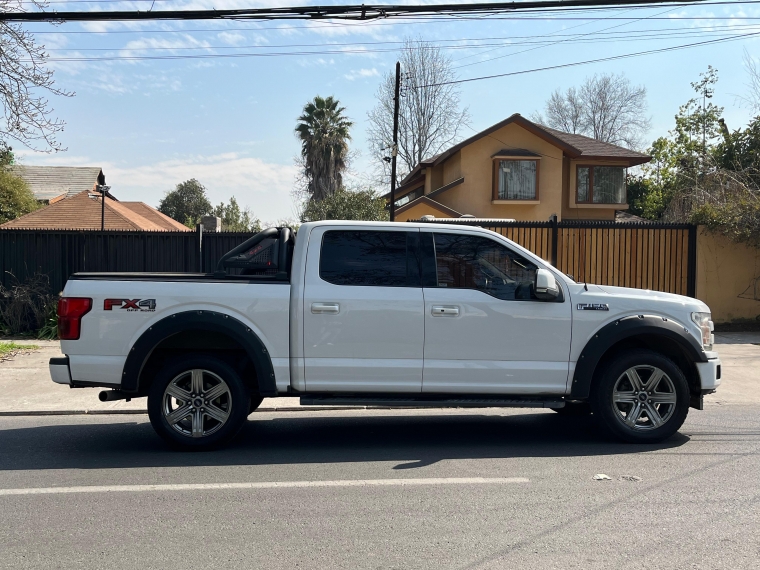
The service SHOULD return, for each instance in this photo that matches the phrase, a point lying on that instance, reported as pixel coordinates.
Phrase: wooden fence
(647, 256)
(655, 256)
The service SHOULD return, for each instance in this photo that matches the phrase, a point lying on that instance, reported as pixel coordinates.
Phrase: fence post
(691, 267)
(555, 239)
(199, 233)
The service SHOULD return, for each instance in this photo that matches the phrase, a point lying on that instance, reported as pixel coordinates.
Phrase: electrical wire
(589, 61)
(649, 35)
(360, 12)
(569, 40)
(350, 51)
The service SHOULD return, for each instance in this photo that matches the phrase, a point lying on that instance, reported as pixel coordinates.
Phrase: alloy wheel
(197, 403)
(644, 398)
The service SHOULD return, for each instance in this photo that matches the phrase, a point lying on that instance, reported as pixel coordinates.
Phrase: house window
(515, 179)
(601, 185)
(413, 195)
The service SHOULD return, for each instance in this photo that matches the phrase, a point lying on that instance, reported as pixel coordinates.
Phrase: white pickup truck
(390, 314)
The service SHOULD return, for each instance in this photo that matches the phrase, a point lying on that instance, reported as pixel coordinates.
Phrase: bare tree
(566, 111)
(430, 118)
(606, 107)
(23, 75)
(752, 99)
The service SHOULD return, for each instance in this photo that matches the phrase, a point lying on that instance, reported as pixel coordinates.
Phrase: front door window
(474, 262)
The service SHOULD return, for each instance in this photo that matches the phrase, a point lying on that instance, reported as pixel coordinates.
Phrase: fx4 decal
(130, 304)
(593, 307)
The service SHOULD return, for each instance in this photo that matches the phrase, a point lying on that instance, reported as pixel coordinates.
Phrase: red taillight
(70, 312)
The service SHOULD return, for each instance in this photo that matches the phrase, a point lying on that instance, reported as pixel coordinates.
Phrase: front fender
(620, 330)
(201, 321)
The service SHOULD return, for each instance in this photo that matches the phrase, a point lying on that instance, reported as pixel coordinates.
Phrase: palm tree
(323, 130)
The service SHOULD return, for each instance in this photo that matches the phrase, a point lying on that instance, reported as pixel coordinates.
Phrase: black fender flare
(212, 321)
(621, 329)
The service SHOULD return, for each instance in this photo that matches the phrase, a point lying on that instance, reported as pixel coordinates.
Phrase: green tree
(324, 133)
(645, 198)
(236, 220)
(363, 204)
(16, 199)
(186, 203)
(740, 150)
(683, 162)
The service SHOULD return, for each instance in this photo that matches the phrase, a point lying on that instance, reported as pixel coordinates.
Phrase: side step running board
(419, 402)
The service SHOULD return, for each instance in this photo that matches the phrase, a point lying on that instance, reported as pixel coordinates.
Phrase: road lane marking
(265, 485)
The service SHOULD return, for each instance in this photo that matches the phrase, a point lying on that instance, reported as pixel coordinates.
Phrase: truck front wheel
(198, 402)
(641, 397)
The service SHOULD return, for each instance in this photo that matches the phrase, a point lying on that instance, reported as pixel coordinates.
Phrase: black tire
(574, 409)
(216, 375)
(628, 418)
(255, 403)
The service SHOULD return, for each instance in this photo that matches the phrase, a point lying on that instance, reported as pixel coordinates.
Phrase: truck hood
(651, 298)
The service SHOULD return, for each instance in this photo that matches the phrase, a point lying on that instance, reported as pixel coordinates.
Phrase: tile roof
(429, 202)
(592, 147)
(153, 215)
(49, 182)
(82, 212)
(624, 217)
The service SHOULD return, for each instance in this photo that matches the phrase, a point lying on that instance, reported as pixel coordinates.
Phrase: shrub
(25, 308)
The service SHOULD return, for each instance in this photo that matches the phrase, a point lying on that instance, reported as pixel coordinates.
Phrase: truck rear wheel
(198, 402)
(641, 397)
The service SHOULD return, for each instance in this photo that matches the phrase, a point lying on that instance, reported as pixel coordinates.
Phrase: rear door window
(370, 258)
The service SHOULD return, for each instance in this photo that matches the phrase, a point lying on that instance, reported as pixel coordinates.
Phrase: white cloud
(361, 74)
(231, 38)
(263, 186)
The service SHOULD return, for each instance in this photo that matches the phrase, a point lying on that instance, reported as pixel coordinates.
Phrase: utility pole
(103, 190)
(394, 148)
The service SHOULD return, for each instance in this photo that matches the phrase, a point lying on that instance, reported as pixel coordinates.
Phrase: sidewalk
(26, 387)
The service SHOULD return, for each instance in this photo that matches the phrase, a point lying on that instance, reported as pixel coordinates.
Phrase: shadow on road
(414, 441)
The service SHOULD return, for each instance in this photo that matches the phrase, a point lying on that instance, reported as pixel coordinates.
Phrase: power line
(586, 62)
(352, 12)
(568, 40)
(356, 51)
(607, 37)
(187, 31)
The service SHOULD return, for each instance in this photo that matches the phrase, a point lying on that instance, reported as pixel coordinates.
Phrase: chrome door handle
(325, 308)
(445, 311)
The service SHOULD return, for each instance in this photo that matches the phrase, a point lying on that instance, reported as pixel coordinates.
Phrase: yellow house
(522, 170)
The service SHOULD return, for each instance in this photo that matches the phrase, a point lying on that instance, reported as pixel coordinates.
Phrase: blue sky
(228, 121)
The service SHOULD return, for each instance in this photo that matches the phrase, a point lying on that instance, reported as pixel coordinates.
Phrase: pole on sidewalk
(394, 149)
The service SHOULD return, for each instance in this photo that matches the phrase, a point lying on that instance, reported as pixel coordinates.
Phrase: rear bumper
(59, 370)
(709, 373)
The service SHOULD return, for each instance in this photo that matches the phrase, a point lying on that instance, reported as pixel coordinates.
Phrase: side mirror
(545, 287)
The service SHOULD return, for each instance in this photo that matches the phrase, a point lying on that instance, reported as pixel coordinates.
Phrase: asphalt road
(696, 506)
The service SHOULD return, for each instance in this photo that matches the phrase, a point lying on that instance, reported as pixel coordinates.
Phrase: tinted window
(472, 262)
(370, 258)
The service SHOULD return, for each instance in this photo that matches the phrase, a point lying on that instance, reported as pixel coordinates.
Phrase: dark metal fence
(662, 257)
(59, 253)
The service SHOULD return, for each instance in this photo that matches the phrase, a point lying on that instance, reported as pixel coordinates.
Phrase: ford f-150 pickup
(391, 314)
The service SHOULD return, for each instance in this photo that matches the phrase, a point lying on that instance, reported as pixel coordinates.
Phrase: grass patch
(11, 348)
